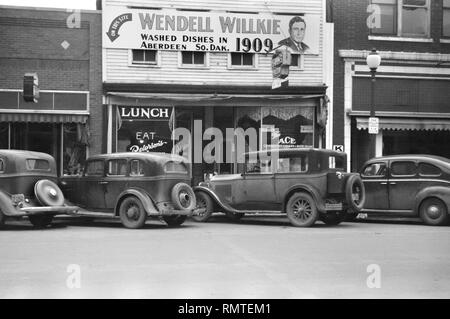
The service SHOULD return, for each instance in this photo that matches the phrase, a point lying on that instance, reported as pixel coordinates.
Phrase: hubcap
(185, 199)
(302, 210)
(133, 213)
(433, 211)
(53, 192)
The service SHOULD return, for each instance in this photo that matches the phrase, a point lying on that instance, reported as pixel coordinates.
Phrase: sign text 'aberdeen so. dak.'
(177, 30)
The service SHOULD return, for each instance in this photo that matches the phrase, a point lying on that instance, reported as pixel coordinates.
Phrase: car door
(403, 185)
(92, 185)
(259, 187)
(375, 179)
(116, 181)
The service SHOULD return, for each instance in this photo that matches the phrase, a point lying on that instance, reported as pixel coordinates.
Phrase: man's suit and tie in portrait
(297, 28)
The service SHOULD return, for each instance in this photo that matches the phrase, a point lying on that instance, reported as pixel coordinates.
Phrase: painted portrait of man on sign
(297, 29)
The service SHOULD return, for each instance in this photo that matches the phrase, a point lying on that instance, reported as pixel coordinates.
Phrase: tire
(132, 213)
(433, 211)
(235, 216)
(183, 197)
(333, 219)
(203, 201)
(48, 193)
(302, 210)
(40, 221)
(355, 186)
(175, 220)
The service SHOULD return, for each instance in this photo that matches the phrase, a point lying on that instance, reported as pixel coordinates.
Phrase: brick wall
(351, 32)
(31, 41)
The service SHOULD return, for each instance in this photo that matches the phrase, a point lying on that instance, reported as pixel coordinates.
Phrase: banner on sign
(176, 30)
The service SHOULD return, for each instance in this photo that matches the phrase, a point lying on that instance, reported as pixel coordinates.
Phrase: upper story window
(446, 18)
(144, 57)
(193, 58)
(242, 60)
(403, 18)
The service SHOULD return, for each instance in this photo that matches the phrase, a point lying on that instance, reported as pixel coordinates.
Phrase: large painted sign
(176, 30)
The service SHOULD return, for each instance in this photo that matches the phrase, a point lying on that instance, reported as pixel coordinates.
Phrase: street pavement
(258, 257)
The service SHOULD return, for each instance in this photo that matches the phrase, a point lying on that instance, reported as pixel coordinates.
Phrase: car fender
(6, 205)
(216, 199)
(142, 195)
(441, 192)
(307, 189)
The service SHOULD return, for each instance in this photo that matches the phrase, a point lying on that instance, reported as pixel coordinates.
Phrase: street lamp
(373, 62)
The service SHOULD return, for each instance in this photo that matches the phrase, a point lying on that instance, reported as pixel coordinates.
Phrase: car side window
(136, 168)
(403, 168)
(95, 168)
(117, 167)
(426, 169)
(260, 167)
(297, 164)
(375, 170)
(2, 166)
(37, 164)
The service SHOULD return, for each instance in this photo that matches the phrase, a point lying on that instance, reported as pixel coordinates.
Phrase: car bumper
(46, 210)
(194, 212)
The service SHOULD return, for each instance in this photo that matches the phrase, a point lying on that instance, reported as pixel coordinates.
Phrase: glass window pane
(446, 3)
(415, 2)
(4, 135)
(375, 169)
(150, 56)
(95, 168)
(235, 58)
(37, 164)
(446, 23)
(295, 59)
(388, 20)
(429, 170)
(137, 168)
(138, 55)
(117, 167)
(2, 166)
(403, 168)
(186, 57)
(199, 58)
(415, 21)
(247, 58)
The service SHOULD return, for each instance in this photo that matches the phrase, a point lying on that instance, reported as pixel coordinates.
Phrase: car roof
(293, 151)
(414, 157)
(154, 156)
(24, 154)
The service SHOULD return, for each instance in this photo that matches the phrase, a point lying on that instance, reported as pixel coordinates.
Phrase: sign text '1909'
(256, 45)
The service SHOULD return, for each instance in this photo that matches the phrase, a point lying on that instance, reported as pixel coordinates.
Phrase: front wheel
(433, 212)
(205, 202)
(175, 220)
(132, 213)
(40, 221)
(2, 219)
(302, 210)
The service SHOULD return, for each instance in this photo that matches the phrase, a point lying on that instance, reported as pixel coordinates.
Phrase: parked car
(306, 184)
(133, 186)
(408, 185)
(28, 188)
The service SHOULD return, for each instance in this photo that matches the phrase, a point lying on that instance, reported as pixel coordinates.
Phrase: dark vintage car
(306, 184)
(133, 186)
(28, 188)
(408, 185)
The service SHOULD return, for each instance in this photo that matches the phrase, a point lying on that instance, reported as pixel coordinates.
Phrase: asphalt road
(256, 258)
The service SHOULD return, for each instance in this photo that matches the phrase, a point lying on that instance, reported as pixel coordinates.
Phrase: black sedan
(408, 185)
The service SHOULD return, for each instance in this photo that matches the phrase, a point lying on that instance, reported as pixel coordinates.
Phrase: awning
(43, 118)
(406, 124)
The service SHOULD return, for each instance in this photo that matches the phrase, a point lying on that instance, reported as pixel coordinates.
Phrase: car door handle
(383, 183)
(103, 183)
(393, 183)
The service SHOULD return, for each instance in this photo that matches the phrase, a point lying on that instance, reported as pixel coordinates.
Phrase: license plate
(337, 206)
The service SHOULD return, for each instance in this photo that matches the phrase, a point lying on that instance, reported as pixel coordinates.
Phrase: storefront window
(4, 135)
(74, 152)
(145, 129)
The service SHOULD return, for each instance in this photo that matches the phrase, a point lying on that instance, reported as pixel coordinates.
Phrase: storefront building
(172, 64)
(63, 48)
(412, 89)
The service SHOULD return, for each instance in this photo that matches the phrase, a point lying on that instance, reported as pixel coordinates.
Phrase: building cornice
(392, 55)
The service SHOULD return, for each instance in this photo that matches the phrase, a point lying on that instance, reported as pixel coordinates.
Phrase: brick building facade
(63, 47)
(413, 81)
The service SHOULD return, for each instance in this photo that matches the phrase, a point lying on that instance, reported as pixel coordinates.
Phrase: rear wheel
(302, 210)
(40, 221)
(2, 219)
(175, 220)
(433, 212)
(132, 213)
(333, 219)
(204, 201)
